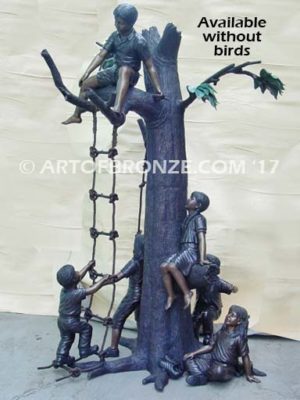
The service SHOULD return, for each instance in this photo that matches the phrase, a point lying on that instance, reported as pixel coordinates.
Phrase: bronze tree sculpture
(160, 333)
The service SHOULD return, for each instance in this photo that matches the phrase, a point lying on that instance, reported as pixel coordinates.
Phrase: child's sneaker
(63, 360)
(110, 352)
(88, 352)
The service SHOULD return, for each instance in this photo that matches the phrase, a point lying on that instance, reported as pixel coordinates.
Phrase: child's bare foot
(74, 119)
(187, 299)
(169, 302)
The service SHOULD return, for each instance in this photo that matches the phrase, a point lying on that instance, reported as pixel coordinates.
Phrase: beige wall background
(253, 220)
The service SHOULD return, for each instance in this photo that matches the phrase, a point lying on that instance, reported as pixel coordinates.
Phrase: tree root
(122, 365)
(132, 363)
(129, 343)
(159, 379)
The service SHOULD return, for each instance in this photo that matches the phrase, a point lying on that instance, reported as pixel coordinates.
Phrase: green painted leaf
(208, 87)
(205, 92)
(257, 82)
(267, 81)
(213, 100)
(191, 89)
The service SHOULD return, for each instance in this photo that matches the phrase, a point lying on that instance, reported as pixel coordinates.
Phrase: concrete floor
(30, 341)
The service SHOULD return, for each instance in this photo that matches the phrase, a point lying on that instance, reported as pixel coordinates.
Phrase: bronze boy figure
(208, 305)
(134, 271)
(192, 249)
(69, 322)
(129, 48)
(218, 361)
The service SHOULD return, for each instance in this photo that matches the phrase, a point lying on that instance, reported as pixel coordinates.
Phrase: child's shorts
(109, 76)
(184, 259)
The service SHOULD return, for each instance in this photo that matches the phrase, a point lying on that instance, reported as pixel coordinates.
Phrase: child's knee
(221, 374)
(85, 85)
(163, 267)
(89, 83)
(172, 267)
(125, 72)
(168, 267)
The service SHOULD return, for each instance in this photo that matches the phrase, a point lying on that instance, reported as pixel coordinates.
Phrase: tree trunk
(162, 332)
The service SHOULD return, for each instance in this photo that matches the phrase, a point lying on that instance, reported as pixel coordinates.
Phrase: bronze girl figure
(218, 361)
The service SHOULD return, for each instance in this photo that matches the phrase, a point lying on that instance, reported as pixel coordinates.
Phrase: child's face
(232, 319)
(191, 204)
(122, 26)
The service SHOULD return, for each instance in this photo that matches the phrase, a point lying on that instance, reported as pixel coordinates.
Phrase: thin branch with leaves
(265, 81)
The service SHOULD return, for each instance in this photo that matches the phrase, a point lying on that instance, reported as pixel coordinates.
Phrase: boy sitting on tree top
(129, 48)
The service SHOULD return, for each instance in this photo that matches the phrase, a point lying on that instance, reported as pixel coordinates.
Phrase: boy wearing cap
(129, 49)
(69, 322)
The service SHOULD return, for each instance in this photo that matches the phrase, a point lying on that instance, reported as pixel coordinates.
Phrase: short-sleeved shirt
(211, 296)
(134, 271)
(70, 302)
(128, 50)
(192, 225)
(227, 347)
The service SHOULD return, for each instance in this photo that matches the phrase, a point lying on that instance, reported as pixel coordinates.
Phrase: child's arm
(248, 370)
(202, 248)
(129, 269)
(84, 270)
(96, 62)
(93, 289)
(201, 233)
(202, 350)
(226, 287)
(154, 77)
(116, 278)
